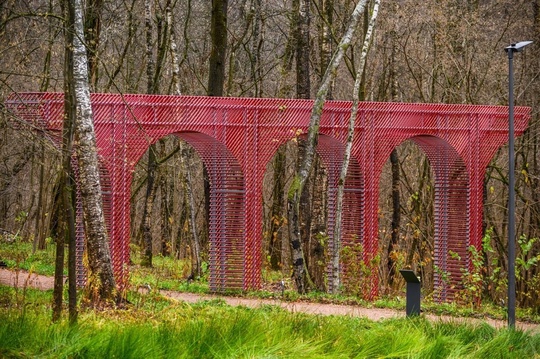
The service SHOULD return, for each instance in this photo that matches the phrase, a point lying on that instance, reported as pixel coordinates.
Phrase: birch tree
(326, 39)
(299, 180)
(101, 286)
(175, 80)
(348, 147)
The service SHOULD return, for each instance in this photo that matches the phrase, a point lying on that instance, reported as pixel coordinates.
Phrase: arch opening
(433, 235)
(317, 211)
(208, 185)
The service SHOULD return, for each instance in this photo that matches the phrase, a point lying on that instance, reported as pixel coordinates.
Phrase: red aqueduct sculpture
(237, 137)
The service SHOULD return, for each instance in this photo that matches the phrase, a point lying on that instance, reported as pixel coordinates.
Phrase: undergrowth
(18, 254)
(166, 273)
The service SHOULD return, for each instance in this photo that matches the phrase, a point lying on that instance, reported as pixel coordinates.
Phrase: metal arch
(239, 136)
(226, 218)
(451, 213)
(331, 152)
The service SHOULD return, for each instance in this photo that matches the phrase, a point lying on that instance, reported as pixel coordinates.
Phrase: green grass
(167, 273)
(13, 298)
(18, 254)
(164, 328)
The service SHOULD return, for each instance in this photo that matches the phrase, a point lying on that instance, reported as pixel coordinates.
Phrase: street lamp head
(517, 47)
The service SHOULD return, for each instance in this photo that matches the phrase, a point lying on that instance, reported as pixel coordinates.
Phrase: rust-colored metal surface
(236, 137)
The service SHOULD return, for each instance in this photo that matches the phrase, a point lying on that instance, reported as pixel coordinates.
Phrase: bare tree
(67, 182)
(297, 186)
(218, 31)
(166, 43)
(196, 271)
(348, 147)
(101, 286)
(302, 40)
(146, 222)
(394, 162)
(68, 177)
(92, 32)
(326, 7)
(175, 81)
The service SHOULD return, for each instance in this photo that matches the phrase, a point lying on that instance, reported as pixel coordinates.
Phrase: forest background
(434, 51)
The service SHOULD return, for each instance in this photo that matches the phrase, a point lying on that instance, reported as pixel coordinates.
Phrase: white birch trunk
(174, 55)
(299, 181)
(101, 284)
(336, 270)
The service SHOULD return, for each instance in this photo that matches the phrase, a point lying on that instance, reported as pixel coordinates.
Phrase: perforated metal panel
(236, 137)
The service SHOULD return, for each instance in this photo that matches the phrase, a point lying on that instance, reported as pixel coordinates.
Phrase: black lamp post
(510, 50)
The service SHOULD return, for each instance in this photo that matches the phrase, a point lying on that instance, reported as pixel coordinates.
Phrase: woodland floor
(23, 279)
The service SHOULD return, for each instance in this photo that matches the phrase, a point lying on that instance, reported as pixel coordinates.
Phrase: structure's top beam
(46, 111)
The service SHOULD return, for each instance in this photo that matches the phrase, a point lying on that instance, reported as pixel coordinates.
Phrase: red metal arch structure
(237, 137)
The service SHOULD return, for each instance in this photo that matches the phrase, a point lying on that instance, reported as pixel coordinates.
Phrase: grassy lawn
(18, 254)
(166, 273)
(157, 327)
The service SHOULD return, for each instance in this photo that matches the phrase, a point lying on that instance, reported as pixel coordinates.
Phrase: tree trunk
(314, 219)
(66, 178)
(326, 37)
(176, 90)
(92, 30)
(129, 41)
(348, 147)
(396, 217)
(163, 35)
(303, 91)
(40, 229)
(299, 180)
(154, 71)
(101, 284)
(394, 160)
(150, 64)
(303, 83)
(257, 44)
(276, 211)
(58, 279)
(288, 53)
(218, 32)
(196, 271)
(69, 186)
(146, 228)
(146, 221)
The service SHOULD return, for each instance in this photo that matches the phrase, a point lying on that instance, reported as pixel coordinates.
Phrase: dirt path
(304, 307)
(24, 279)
